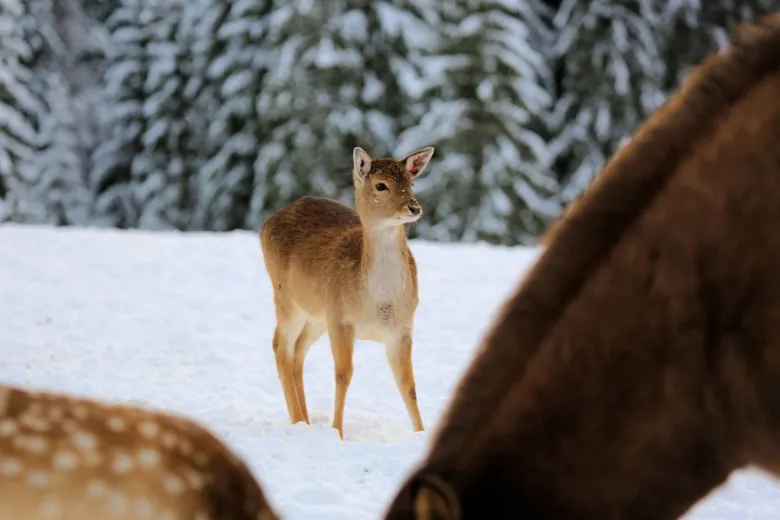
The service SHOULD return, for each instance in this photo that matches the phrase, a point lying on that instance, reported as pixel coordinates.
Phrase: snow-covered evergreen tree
(227, 81)
(56, 190)
(137, 174)
(612, 75)
(485, 117)
(100, 10)
(331, 85)
(692, 29)
(53, 188)
(20, 109)
(112, 160)
(162, 172)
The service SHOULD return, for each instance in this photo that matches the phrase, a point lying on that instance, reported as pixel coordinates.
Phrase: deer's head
(383, 187)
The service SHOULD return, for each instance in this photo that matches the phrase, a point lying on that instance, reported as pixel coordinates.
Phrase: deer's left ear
(416, 162)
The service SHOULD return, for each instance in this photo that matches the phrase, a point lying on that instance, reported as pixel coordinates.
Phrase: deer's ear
(416, 162)
(361, 164)
(435, 500)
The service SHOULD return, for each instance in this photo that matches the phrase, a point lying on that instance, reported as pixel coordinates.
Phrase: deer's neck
(573, 457)
(385, 262)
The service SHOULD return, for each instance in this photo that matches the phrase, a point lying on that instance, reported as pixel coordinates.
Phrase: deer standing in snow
(349, 273)
(66, 458)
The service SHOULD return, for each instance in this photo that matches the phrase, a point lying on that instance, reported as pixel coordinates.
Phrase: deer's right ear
(361, 164)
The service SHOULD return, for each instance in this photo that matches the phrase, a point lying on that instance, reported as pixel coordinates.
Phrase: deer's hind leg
(290, 322)
(311, 332)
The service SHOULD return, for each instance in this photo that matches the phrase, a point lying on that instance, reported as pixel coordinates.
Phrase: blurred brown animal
(349, 273)
(637, 365)
(68, 458)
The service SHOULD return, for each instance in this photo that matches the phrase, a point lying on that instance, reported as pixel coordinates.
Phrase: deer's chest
(386, 278)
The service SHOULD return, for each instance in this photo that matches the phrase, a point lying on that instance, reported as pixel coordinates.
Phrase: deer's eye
(381, 186)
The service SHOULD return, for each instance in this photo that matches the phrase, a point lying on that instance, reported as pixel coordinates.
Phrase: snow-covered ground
(184, 322)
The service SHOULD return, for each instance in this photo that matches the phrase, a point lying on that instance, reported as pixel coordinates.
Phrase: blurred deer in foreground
(637, 364)
(349, 273)
(65, 458)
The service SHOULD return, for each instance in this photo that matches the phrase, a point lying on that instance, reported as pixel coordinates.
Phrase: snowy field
(184, 322)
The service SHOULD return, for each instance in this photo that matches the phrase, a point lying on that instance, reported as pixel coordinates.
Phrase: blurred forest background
(211, 114)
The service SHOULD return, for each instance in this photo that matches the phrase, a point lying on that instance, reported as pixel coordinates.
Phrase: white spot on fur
(185, 446)
(143, 508)
(35, 408)
(116, 424)
(118, 504)
(96, 489)
(194, 479)
(37, 479)
(65, 460)
(10, 467)
(56, 413)
(201, 459)
(31, 443)
(148, 457)
(7, 427)
(149, 429)
(169, 440)
(122, 464)
(35, 422)
(50, 508)
(79, 411)
(173, 484)
(84, 441)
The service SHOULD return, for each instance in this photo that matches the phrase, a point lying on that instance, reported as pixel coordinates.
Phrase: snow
(183, 322)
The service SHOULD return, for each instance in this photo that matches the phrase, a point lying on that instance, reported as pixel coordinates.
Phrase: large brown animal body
(638, 364)
(349, 273)
(67, 458)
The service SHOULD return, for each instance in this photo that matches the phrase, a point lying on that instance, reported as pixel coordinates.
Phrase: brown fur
(637, 365)
(350, 273)
(70, 458)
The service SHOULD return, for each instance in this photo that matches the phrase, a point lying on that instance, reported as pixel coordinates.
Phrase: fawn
(637, 364)
(68, 458)
(349, 273)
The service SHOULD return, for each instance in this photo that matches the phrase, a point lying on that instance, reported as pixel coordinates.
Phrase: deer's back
(312, 230)
(75, 459)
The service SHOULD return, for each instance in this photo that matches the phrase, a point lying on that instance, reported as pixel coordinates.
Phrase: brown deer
(348, 273)
(637, 364)
(68, 458)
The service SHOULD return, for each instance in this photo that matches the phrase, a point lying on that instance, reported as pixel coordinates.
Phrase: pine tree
(101, 10)
(19, 111)
(692, 29)
(111, 171)
(485, 118)
(227, 79)
(162, 173)
(329, 87)
(139, 172)
(611, 74)
(54, 188)
(57, 192)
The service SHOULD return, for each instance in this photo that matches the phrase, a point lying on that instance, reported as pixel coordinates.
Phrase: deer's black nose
(414, 207)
